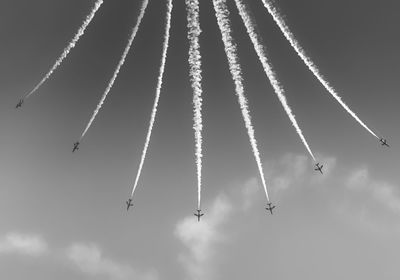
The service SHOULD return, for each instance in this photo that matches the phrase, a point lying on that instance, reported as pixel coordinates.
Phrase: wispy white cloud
(200, 238)
(358, 179)
(368, 198)
(296, 169)
(380, 191)
(89, 259)
(288, 172)
(250, 192)
(289, 169)
(24, 244)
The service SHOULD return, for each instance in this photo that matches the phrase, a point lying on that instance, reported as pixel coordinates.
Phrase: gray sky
(63, 215)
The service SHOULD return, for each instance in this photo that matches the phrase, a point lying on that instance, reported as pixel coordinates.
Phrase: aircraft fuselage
(198, 215)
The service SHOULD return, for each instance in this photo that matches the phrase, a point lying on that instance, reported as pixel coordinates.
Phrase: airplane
(21, 101)
(76, 146)
(270, 207)
(198, 215)
(318, 167)
(128, 203)
(384, 142)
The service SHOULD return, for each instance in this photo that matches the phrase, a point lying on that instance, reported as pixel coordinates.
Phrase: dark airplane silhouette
(198, 215)
(318, 167)
(270, 207)
(128, 203)
(384, 142)
(21, 101)
(76, 146)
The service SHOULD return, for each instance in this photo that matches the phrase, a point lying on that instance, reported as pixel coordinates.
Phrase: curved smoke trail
(268, 69)
(158, 91)
(70, 46)
(273, 11)
(222, 14)
(194, 31)
(120, 64)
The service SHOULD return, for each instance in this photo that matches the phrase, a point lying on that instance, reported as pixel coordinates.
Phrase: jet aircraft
(270, 207)
(21, 101)
(76, 146)
(198, 215)
(384, 142)
(128, 204)
(318, 167)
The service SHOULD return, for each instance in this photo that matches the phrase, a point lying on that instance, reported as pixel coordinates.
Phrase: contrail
(307, 60)
(70, 46)
(268, 69)
(222, 14)
(158, 91)
(194, 31)
(120, 64)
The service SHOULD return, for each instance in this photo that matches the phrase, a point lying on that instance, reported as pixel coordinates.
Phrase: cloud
(281, 175)
(250, 193)
(200, 238)
(292, 170)
(89, 259)
(368, 199)
(379, 191)
(24, 244)
(358, 179)
(285, 173)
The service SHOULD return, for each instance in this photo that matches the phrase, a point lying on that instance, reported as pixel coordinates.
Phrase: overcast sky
(63, 215)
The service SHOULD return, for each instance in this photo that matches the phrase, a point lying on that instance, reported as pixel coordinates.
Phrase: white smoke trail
(194, 31)
(158, 91)
(222, 14)
(268, 69)
(120, 64)
(273, 11)
(70, 46)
